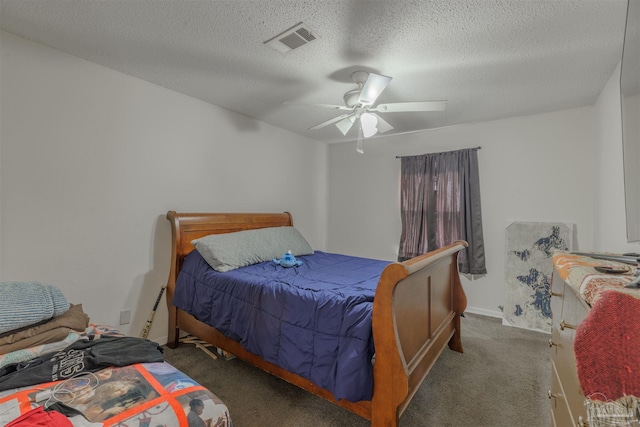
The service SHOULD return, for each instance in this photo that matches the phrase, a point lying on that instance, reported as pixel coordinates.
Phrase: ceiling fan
(360, 106)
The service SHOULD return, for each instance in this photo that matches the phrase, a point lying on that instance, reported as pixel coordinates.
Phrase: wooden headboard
(186, 227)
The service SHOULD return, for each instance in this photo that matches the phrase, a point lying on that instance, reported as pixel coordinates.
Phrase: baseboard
(161, 340)
(484, 312)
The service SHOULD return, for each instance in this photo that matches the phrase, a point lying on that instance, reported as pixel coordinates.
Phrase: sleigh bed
(414, 313)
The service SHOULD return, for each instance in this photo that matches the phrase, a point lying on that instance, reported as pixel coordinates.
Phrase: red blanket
(39, 418)
(607, 348)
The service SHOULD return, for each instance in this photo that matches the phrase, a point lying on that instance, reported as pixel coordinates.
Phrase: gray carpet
(501, 380)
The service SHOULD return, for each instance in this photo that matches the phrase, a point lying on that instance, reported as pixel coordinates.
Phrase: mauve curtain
(439, 204)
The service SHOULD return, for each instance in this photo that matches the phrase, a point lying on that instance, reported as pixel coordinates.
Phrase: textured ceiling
(490, 59)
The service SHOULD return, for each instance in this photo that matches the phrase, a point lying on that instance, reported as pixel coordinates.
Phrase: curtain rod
(452, 151)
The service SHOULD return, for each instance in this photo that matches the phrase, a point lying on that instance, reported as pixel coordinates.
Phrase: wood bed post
(391, 386)
(459, 305)
(173, 334)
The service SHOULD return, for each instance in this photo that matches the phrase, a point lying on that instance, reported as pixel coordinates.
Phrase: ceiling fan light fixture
(361, 106)
(345, 124)
(372, 88)
(369, 124)
(383, 126)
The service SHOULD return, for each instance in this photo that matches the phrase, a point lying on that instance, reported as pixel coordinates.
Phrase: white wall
(609, 205)
(534, 168)
(92, 159)
(1, 113)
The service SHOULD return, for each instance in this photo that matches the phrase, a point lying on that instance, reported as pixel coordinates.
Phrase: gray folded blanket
(27, 303)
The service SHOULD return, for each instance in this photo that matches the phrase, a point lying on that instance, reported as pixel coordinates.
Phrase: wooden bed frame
(416, 313)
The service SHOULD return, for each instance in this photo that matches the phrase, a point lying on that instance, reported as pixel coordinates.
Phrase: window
(439, 204)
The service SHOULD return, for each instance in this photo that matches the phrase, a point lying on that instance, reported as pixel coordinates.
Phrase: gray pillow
(229, 251)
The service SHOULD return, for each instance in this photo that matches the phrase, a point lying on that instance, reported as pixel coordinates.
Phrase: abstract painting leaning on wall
(529, 248)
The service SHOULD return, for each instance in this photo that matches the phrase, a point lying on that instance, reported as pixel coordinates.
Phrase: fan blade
(345, 124)
(401, 107)
(372, 88)
(359, 148)
(332, 106)
(383, 126)
(329, 122)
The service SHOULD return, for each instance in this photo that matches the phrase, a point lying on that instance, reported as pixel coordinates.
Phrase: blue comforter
(313, 320)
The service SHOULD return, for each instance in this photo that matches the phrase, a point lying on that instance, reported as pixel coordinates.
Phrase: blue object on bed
(313, 320)
(288, 260)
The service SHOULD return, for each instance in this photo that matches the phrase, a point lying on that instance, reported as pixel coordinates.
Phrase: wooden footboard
(416, 314)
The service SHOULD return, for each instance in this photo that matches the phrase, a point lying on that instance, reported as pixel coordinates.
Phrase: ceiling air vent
(293, 38)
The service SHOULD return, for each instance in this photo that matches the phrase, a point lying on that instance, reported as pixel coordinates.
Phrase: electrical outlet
(125, 317)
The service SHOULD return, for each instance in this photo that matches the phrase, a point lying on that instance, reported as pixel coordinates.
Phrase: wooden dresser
(574, 283)
(568, 310)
